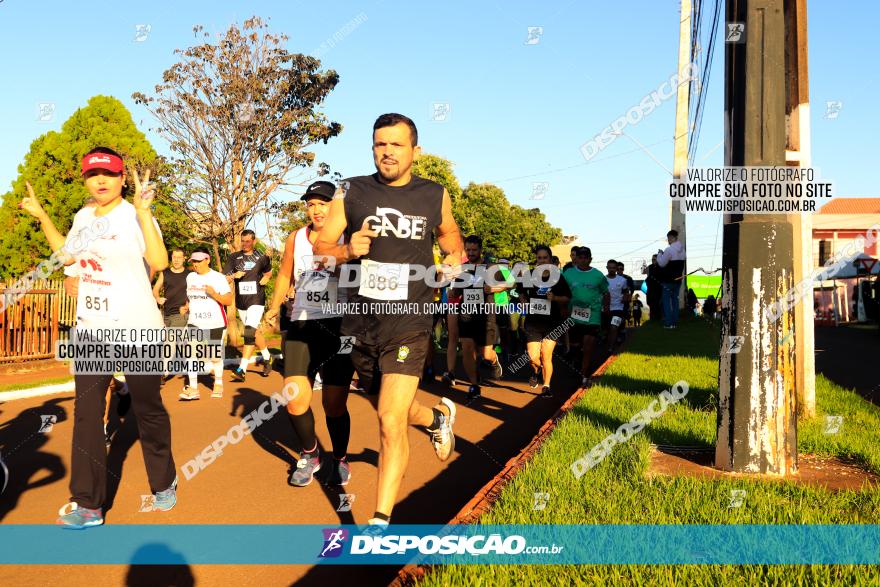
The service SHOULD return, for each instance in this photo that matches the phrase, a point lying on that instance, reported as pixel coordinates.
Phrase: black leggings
(88, 470)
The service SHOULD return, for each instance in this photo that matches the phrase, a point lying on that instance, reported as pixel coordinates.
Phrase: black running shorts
(313, 346)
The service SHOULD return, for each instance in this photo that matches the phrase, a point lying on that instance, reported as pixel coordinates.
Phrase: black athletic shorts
(536, 332)
(400, 354)
(579, 331)
(313, 346)
(481, 328)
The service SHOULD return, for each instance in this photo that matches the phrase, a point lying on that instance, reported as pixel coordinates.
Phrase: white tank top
(317, 290)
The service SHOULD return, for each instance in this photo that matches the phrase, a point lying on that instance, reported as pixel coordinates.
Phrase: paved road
(849, 356)
(247, 485)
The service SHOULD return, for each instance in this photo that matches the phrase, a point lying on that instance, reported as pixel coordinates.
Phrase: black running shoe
(267, 366)
(533, 381)
(473, 392)
(448, 378)
(238, 375)
(546, 391)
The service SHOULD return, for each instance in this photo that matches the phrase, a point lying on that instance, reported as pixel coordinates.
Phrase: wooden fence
(30, 327)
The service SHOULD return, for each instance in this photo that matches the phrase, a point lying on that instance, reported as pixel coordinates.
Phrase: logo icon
(736, 32)
(832, 109)
(45, 111)
(540, 502)
(46, 423)
(833, 424)
(540, 190)
(345, 502)
(141, 32)
(737, 497)
(734, 344)
(402, 353)
(534, 35)
(346, 343)
(441, 111)
(245, 112)
(148, 503)
(333, 541)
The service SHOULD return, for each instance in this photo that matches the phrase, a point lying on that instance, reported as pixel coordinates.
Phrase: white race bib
(582, 314)
(314, 300)
(539, 306)
(384, 281)
(473, 296)
(94, 301)
(616, 320)
(247, 287)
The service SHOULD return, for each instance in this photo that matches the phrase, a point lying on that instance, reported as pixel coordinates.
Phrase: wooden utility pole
(798, 154)
(757, 411)
(679, 164)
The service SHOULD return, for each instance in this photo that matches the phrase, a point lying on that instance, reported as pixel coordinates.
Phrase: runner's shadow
(142, 573)
(21, 444)
(124, 438)
(276, 437)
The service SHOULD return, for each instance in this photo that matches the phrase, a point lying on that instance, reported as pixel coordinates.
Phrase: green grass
(20, 386)
(617, 492)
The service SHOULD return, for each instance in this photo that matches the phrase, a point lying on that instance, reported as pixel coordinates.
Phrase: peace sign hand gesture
(143, 190)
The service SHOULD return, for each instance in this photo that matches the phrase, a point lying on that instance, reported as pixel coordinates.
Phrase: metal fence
(30, 328)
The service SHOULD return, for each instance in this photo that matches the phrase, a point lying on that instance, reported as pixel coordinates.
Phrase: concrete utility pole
(798, 154)
(757, 411)
(679, 165)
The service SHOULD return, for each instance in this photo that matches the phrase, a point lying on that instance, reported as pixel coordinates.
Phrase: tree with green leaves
(52, 166)
(240, 116)
(507, 231)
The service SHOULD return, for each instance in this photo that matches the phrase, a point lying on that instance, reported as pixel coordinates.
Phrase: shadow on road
(21, 443)
(143, 574)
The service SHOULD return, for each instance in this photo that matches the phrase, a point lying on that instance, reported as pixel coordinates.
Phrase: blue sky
(518, 112)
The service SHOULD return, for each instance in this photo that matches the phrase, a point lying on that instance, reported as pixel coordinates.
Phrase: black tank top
(405, 218)
(175, 290)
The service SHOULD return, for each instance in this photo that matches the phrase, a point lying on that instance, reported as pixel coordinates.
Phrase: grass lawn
(617, 492)
(20, 386)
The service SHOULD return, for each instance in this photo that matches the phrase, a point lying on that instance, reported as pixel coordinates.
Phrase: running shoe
(533, 381)
(473, 392)
(546, 391)
(267, 366)
(217, 391)
(189, 393)
(497, 370)
(305, 470)
(443, 438)
(340, 474)
(167, 499)
(77, 518)
(238, 375)
(375, 527)
(448, 378)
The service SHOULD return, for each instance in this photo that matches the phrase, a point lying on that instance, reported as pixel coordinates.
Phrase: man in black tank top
(389, 219)
(173, 300)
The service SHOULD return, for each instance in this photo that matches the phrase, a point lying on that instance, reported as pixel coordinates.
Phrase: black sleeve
(229, 264)
(561, 288)
(267, 264)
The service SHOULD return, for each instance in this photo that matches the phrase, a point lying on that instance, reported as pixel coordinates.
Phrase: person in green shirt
(589, 297)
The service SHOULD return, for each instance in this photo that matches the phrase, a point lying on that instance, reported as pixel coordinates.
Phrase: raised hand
(143, 189)
(31, 204)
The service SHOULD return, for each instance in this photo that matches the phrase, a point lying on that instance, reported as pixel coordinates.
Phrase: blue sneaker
(80, 518)
(167, 499)
(375, 527)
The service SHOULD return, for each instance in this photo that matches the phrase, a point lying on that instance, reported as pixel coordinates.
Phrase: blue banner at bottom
(434, 544)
